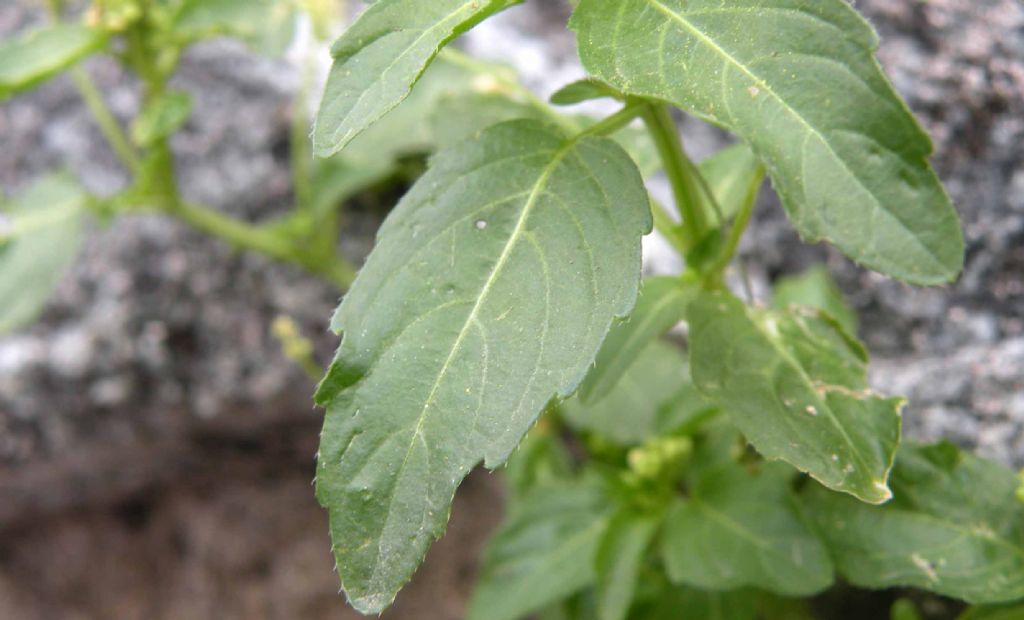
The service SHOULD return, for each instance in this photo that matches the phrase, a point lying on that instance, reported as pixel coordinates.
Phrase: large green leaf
(490, 289)
(797, 388)
(544, 552)
(40, 231)
(662, 304)
(382, 55)
(798, 81)
(736, 529)
(954, 527)
(38, 55)
(619, 559)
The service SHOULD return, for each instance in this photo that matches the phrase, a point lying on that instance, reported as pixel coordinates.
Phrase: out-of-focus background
(156, 447)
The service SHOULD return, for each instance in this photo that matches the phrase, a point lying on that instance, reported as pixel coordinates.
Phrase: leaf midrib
(811, 129)
(472, 318)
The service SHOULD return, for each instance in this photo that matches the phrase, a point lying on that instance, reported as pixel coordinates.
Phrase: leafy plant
(502, 318)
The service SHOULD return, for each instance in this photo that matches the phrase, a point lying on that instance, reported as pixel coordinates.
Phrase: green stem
(105, 119)
(615, 122)
(681, 172)
(244, 236)
(739, 226)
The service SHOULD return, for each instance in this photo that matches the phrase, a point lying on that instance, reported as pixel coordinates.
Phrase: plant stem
(244, 236)
(104, 118)
(615, 122)
(669, 229)
(681, 172)
(739, 226)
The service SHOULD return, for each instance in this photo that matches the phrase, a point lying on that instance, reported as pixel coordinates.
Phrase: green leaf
(162, 117)
(40, 54)
(619, 558)
(647, 400)
(797, 388)
(904, 609)
(490, 289)
(584, 90)
(815, 288)
(662, 304)
(459, 116)
(798, 81)
(40, 232)
(953, 527)
(382, 55)
(734, 175)
(736, 529)
(544, 552)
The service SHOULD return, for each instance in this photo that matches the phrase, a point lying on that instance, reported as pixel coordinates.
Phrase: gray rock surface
(158, 338)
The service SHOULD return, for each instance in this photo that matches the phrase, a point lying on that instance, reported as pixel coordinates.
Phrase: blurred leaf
(739, 529)
(676, 601)
(619, 557)
(540, 460)
(40, 233)
(661, 304)
(1013, 611)
(544, 552)
(645, 399)
(381, 56)
(815, 288)
(953, 527)
(265, 25)
(459, 116)
(161, 117)
(904, 609)
(40, 54)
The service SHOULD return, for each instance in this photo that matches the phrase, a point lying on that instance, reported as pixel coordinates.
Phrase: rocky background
(156, 448)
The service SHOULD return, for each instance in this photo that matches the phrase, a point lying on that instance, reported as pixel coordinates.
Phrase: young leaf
(382, 55)
(662, 304)
(491, 287)
(737, 529)
(815, 288)
(798, 81)
(541, 460)
(796, 387)
(39, 236)
(629, 413)
(544, 552)
(619, 559)
(35, 57)
(954, 527)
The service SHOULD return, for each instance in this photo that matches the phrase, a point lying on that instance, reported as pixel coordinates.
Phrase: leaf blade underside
(798, 81)
(471, 313)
